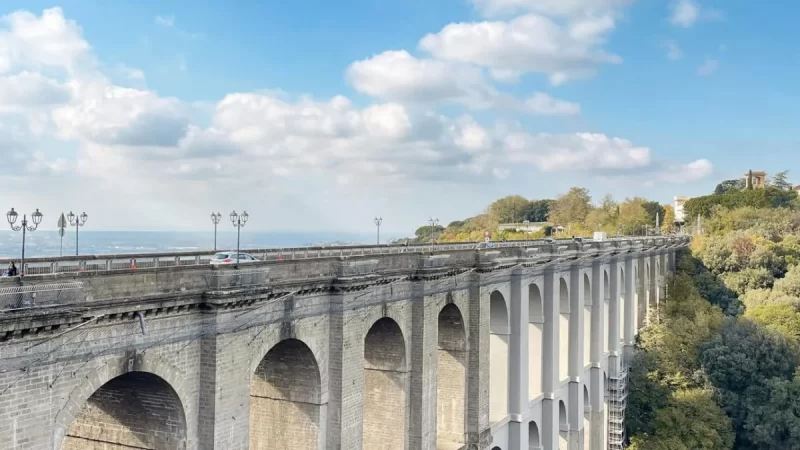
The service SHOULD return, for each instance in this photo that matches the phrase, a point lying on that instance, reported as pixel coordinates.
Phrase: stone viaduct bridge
(517, 346)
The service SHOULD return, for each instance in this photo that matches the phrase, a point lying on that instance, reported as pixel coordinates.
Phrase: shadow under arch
(499, 336)
(286, 398)
(385, 383)
(536, 322)
(132, 410)
(451, 377)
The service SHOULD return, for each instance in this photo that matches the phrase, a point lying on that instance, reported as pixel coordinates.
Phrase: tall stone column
(642, 299)
(576, 344)
(652, 290)
(478, 427)
(335, 349)
(629, 312)
(596, 393)
(615, 305)
(518, 374)
(550, 431)
(424, 361)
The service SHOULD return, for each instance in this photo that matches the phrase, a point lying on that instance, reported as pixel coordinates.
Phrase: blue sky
(171, 105)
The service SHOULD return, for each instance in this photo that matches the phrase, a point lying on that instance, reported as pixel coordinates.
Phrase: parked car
(230, 258)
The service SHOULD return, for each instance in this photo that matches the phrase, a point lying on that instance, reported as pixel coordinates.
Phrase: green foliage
(768, 197)
(729, 185)
(692, 420)
(783, 318)
(572, 207)
(509, 209)
(774, 423)
(780, 180)
(538, 210)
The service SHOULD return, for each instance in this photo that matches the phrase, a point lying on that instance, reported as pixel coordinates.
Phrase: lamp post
(36, 217)
(62, 225)
(377, 222)
(216, 219)
(432, 223)
(77, 222)
(238, 222)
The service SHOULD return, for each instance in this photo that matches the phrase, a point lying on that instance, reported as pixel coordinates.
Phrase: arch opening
(533, 436)
(563, 427)
(587, 321)
(498, 357)
(535, 340)
(285, 398)
(563, 330)
(385, 380)
(133, 410)
(451, 377)
(621, 305)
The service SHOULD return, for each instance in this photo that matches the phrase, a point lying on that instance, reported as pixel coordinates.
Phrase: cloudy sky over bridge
(319, 115)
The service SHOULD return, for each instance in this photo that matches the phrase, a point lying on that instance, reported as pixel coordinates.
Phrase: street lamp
(433, 222)
(36, 217)
(77, 222)
(216, 219)
(238, 222)
(377, 222)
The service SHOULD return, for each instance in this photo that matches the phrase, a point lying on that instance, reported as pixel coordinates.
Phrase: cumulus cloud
(108, 114)
(46, 41)
(529, 43)
(399, 76)
(28, 90)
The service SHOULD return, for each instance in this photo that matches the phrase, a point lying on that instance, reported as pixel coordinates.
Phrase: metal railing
(111, 262)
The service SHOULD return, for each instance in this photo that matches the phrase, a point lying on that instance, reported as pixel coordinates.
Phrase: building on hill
(680, 215)
(797, 188)
(756, 180)
(527, 227)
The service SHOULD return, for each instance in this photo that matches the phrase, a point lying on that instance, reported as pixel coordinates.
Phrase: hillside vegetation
(718, 367)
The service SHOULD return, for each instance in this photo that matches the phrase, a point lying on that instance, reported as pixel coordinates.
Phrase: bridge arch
(385, 383)
(165, 378)
(499, 334)
(621, 301)
(286, 398)
(536, 321)
(135, 410)
(451, 376)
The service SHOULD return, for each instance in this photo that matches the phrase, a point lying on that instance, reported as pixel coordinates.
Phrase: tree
(781, 318)
(692, 421)
(668, 221)
(653, 209)
(633, 216)
(509, 209)
(538, 210)
(779, 180)
(572, 207)
(774, 422)
(729, 185)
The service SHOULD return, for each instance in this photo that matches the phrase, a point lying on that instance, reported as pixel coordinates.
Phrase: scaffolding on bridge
(617, 403)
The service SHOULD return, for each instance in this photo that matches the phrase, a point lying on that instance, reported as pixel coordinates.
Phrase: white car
(230, 258)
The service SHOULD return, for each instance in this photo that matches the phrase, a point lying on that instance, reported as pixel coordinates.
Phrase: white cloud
(687, 173)
(686, 13)
(113, 115)
(46, 41)
(708, 67)
(529, 43)
(401, 77)
(27, 90)
(270, 146)
(674, 51)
